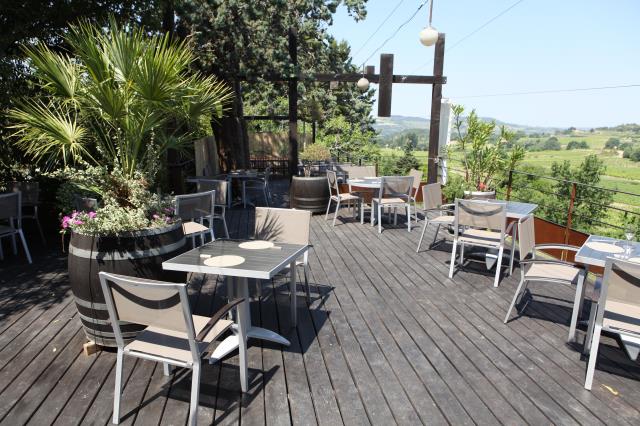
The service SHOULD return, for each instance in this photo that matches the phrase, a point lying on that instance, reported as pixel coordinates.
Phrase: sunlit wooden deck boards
(390, 339)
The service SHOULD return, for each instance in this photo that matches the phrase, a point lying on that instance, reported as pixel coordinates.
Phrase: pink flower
(92, 215)
(78, 222)
(65, 222)
(156, 217)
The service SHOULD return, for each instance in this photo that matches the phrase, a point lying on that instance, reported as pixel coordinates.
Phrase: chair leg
(453, 258)
(592, 321)
(515, 298)
(461, 260)
(593, 357)
(244, 194)
(24, 245)
(576, 308)
(306, 282)
(498, 267)
(435, 234)
(266, 199)
(224, 223)
(195, 394)
(14, 246)
(118, 390)
(166, 369)
(513, 249)
(326, 216)
(373, 214)
(379, 218)
(35, 214)
(335, 215)
(409, 217)
(361, 212)
(424, 228)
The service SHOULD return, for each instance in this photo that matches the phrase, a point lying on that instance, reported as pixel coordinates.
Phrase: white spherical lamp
(428, 36)
(363, 84)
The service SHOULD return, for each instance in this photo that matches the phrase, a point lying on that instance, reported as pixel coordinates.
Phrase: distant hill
(397, 124)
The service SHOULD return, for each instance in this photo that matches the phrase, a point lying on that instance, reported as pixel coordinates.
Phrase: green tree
(239, 40)
(345, 139)
(612, 143)
(577, 145)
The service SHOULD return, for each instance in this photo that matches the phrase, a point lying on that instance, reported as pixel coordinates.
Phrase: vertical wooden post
(436, 100)
(385, 85)
(293, 104)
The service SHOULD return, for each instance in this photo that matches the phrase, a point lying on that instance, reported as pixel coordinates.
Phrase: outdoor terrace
(388, 338)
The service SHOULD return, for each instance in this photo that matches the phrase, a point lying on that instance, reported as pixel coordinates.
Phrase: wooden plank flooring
(387, 339)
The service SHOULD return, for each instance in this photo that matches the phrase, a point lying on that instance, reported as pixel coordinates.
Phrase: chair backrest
(358, 172)
(432, 196)
(267, 174)
(85, 204)
(417, 178)
(332, 180)
(195, 206)
(396, 187)
(526, 237)
(11, 207)
(282, 225)
(147, 302)
(220, 186)
(620, 294)
(481, 214)
(30, 192)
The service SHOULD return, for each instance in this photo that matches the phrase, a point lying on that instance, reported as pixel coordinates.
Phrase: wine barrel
(309, 193)
(138, 254)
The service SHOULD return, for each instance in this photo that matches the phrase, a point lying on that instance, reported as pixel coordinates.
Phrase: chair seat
(390, 201)
(175, 344)
(6, 230)
(190, 228)
(345, 197)
(622, 316)
(546, 271)
(480, 236)
(443, 219)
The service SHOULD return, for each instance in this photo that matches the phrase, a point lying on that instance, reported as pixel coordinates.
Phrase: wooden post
(567, 229)
(436, 100)
(293, 105)
(385, 85)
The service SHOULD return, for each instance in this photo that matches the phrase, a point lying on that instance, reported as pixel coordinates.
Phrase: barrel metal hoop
(138, 254)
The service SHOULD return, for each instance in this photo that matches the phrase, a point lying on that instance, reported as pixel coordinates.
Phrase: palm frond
(58, 72)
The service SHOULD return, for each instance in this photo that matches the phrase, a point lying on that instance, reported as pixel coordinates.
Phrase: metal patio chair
(220, 207)
(544, 269)
(432, 201)
(339, 198)
(395, 192)
(174, 336)
(11, 212)
(417, 179)
(480, 223)
(261, 183)
(286, 226)
(194, 209)
(31, 200)
(617, 310)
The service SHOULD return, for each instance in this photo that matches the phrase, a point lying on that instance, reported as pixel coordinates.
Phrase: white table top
(261, 264)
(591, 256)
(372, 182)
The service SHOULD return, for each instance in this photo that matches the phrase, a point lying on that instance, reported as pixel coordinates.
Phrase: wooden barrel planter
(138, 254)
(309, 193)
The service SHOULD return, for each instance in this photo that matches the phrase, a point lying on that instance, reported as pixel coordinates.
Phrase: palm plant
(122, 100)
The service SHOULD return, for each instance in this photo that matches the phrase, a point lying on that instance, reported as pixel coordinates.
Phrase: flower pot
(480, 195)
(309, 193)
(138, 254)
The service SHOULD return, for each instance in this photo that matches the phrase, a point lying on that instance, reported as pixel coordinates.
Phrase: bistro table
(595, 252)
(239, 260)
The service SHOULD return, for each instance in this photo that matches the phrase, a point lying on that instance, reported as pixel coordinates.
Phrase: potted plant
(483, 160)
(107, 118)
(310, 192)
(312, 155)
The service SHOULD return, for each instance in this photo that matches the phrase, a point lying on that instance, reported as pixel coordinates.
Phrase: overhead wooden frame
(385, 80)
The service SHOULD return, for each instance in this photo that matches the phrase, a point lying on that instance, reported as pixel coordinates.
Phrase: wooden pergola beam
(350, 78)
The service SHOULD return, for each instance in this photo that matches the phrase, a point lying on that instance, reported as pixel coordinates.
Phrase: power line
(449, 48)
(378, 29)
(541, 92)
(396, 31)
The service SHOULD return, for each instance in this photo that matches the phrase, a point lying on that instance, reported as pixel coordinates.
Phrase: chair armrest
(448, 206)
(216, 317)
(551, 262)
(509, 228)
(556, 247)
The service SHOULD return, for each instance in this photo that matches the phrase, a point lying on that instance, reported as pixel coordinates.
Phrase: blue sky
(537, 45)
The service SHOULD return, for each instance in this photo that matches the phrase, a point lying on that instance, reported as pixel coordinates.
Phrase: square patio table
(261, 263)
(595, 252)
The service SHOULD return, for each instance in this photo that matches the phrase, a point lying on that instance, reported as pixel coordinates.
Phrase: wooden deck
(388, 339)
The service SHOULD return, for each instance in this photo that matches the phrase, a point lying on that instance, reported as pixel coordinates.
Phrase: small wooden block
(90, 348)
